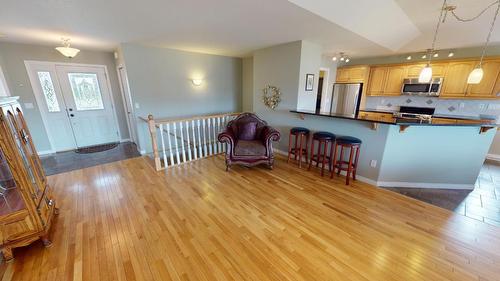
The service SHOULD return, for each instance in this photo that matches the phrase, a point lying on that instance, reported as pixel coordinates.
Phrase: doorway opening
(323, 98)
(76, 104)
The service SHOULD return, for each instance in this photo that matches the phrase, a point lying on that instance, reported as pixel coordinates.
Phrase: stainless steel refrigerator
(346, 99)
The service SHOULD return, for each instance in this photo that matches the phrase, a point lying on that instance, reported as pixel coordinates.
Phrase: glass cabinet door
(21, 141)
(10, 198)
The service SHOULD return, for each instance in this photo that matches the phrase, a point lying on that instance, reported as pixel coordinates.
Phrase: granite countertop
(456, 122)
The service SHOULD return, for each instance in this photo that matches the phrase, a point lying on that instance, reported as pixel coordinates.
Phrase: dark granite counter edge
(458, 117)
(391, 123)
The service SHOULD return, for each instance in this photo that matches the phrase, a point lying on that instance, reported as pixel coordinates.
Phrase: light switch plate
(373, 163)
(137, 106)
(28, 105)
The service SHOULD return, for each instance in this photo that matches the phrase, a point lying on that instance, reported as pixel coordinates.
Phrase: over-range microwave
(411, 86)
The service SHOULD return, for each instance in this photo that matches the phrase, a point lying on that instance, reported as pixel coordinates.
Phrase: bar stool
(301, 136)
(350, 166)
(324, 140)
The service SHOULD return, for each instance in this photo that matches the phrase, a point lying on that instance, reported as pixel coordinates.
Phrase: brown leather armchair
(249, 141)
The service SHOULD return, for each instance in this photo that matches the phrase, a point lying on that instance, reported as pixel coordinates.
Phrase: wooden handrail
(169, 120)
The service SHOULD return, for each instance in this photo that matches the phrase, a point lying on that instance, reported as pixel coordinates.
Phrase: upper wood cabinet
(394, 80)
(489, 86)
(376, 82)
(438, 69)
(455, 82)
(352, 74)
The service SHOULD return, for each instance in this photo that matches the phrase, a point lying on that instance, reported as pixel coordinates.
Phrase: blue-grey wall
(434, 155)
(160, 84)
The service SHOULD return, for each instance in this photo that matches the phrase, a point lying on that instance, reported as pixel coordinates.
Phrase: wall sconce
(197, 82)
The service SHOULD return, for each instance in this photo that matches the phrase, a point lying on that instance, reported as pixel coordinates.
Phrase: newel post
(154, 141)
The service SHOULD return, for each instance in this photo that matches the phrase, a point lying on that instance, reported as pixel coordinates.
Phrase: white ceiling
(237, 27)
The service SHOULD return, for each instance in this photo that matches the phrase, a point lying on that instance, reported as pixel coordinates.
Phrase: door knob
(72, 115)
(71, 109)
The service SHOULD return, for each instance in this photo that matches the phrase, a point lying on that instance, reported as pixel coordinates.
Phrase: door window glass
(86, 91)
(48, 91)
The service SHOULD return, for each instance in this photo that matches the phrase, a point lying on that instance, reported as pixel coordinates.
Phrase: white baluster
(170, 145)
(209, 135)
(204, 139)
(176, 145)
(165, 160)
(212, 132)
(181, 129)
(200, 144)
(195, 152)
(188, 141)
(219, 130)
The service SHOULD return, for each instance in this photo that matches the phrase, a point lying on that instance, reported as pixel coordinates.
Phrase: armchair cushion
(250, 148)
(247, 131)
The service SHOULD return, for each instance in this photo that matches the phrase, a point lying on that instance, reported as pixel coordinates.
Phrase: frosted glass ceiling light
(475, 76)
(408, 58)
(425, 75)
(451, 54)
(334, 59)
(67, 51)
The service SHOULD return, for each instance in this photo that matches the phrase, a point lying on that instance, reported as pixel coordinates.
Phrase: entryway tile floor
(68, 161)
(482, 203)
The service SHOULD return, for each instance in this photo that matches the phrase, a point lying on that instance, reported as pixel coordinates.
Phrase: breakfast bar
(446, 154)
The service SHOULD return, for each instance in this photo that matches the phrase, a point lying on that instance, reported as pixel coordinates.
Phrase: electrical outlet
(461, 105)
(28, 105)
(137, 106)
(373, 163)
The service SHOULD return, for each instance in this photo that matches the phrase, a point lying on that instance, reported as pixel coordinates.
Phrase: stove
(409, 114)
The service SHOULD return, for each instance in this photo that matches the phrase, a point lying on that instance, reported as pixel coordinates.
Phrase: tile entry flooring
(482, 203)
(62, 162)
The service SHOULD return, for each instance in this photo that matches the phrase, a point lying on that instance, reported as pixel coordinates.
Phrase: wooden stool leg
(349, 167)
(7, 254)
(307, 146)
(296, 145)
(300, 150)
(312, 155)
(324, 158)
(318, 154)
(334, 158)
(289, 147)
(355, 164)
(341, 158)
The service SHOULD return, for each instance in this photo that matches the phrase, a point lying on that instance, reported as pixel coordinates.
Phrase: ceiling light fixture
(424, 56)
(66, 50)
(334, 58)
(408, 58)
(197, 82)
(341, 57)
(435, 55)
(451, 54)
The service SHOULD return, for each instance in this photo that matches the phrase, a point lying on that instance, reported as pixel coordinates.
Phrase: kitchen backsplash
(486, 108)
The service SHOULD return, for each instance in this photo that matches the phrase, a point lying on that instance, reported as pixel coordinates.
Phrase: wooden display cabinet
(26, 203)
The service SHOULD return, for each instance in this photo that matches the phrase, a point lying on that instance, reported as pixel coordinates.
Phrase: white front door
(89, 105)
(75, 103)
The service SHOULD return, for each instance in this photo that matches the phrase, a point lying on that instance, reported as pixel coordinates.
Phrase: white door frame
(40, 102)
(3, 83)
(127, 102)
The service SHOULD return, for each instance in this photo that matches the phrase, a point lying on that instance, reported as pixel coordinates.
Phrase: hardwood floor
(124, 221)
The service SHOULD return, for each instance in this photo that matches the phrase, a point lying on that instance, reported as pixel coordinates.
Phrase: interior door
(45, 83)
(88, 101)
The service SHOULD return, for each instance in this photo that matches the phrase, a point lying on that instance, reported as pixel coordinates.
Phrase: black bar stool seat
(348, 140)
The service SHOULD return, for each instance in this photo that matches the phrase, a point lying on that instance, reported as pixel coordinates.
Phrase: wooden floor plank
(125, 221)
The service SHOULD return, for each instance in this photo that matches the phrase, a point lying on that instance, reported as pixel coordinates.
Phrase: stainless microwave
(411, 86)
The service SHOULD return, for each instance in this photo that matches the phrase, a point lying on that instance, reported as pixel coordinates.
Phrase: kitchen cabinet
(438, 120)
(376, 82)
(455, 81)
(413, 70)
(352, 74)
(394, 80)
(490, 84)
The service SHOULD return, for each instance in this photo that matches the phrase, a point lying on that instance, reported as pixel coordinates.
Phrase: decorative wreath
(271, 96)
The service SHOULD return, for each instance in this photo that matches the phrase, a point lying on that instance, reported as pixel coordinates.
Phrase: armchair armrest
(270, 134)
(227, 136)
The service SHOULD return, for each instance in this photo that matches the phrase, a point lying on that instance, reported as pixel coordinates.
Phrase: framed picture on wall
(309, 82)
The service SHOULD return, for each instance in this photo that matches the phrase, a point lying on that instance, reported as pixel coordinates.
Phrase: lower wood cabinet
(376, 116)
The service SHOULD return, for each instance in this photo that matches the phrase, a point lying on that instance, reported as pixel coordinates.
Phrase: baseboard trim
(493, 157)
(125, 140)
(425, 185)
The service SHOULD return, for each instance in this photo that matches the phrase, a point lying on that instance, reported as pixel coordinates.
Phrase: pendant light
(426, 73)
(476, 75)
(66, 50)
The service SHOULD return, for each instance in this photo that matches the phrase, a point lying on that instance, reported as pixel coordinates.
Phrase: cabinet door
(357, 74)
(377, 81)
(437, 120)
(485, 89)
(394, 80)
(413, 71)
(455, 80)
(342, 75)
(438, 69)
